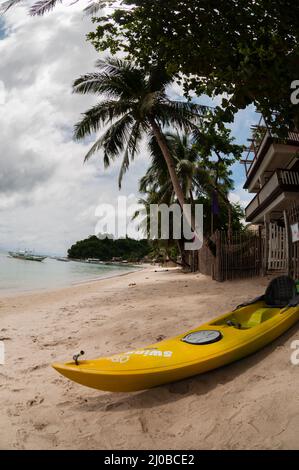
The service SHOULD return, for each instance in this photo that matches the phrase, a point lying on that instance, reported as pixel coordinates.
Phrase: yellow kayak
(214, 344)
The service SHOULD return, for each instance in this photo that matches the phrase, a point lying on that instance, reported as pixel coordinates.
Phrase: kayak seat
(279, 293)
(255, 319)
(258, 317)
(244, 320)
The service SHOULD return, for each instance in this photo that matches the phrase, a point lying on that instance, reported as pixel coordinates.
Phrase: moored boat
(26, 255)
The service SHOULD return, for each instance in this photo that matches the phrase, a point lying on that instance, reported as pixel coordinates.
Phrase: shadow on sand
(198, 385)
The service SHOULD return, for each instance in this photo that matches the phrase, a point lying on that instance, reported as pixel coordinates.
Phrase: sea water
(23, 275)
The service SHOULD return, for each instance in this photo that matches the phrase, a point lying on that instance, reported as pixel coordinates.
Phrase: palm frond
(5, 6)
(179, 115)
(183, 112)
(98, 144)
(43, 6)
(96, 83)
(126, 85)
(124, 166)
(116, 137)
(129, 79)
(132, 148)
(94, 7)
(113, 140)
(90, 123)
(114, 65)
(99, 115)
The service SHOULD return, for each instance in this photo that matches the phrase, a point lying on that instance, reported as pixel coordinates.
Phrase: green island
(107, 249)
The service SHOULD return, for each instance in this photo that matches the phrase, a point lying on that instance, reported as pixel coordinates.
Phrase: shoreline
(16, 293)
(228, 408)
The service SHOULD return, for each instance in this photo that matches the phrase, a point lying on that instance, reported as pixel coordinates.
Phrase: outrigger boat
(216, 343)
(26, 255)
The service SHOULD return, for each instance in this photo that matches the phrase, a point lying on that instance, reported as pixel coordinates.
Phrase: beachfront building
(272, 176)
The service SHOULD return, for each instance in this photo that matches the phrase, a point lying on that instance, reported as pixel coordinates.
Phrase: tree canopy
(246, 49)
(201, 177)
(105, 249)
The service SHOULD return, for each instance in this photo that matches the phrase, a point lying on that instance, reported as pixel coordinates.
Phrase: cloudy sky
(48, 197)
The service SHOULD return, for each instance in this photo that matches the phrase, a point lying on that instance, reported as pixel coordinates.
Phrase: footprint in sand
(35, 401)
(37, 367)
(113, 406)
(40, 426)
(54, 343)
(160, 338)
(143, 421)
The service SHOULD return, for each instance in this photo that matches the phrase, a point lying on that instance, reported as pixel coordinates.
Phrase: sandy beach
(253, 403)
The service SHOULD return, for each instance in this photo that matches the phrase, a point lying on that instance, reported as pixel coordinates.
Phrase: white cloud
(47, 196)
(240, 196)
(2, 93)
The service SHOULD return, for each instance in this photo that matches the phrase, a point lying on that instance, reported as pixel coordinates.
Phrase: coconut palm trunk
(169, 162)
(172, 172)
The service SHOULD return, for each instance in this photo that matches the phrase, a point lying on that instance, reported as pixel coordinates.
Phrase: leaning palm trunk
(172, 172)
(169, 162)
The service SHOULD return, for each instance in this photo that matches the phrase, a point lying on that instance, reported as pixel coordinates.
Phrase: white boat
(26, 255)
(58, 258)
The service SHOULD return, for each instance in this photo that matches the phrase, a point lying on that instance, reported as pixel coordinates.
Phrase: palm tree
(198, 176)
(197, 172)
(133, 104)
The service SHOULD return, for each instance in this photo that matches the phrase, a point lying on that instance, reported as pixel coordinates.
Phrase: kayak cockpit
(248, 317)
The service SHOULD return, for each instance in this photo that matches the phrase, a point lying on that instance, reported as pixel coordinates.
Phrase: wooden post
(218, 265)
(260, 252)
(267, 241)
(288, 242)
(192, 262)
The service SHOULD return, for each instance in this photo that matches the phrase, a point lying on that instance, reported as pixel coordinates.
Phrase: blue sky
(48, 197)
(2, 28)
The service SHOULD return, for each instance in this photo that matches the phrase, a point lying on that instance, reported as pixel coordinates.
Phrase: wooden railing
(293, 218)
(288, 177)
(257, 145)
(279, 179)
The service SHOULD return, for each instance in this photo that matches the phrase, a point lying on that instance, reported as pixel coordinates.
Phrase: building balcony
(274, 196)
(269, 153)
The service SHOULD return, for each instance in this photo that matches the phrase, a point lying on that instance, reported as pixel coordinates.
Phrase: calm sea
(22, 275)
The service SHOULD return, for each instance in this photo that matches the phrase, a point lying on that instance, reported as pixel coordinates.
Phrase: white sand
(249, 404)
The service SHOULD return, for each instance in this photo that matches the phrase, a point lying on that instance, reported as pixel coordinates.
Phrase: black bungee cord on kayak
(76, 357)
